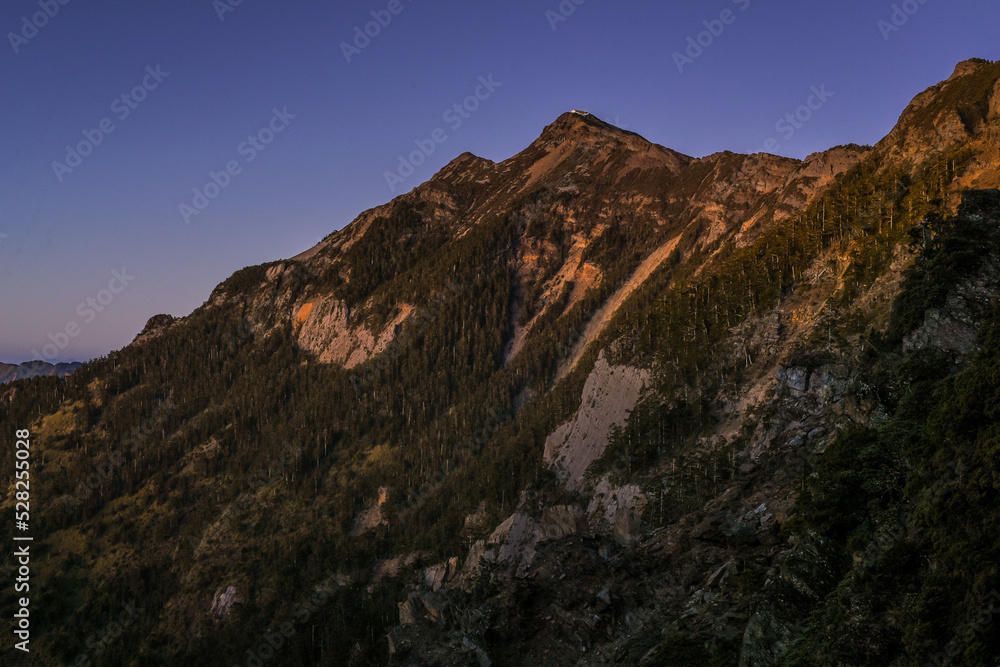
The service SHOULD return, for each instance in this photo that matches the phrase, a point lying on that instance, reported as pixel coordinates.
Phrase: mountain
(30, 369)
(599, 403)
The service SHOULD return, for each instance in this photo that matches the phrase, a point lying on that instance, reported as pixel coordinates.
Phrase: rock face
(371, 517)
(946, 114)
(617, 510)
(610, 394)
(799, 579)
(156, 326)
(223, 601)
(955, 326)
(514, 543)
(584, 140)
(327, 331)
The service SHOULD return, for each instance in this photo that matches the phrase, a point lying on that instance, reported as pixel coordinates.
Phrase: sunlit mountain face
(600, 403)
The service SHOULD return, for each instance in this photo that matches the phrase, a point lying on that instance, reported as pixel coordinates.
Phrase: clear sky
(199, 78)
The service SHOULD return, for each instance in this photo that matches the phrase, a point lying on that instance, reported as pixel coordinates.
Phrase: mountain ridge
(562, 128)
(38, 368)
(598, 403)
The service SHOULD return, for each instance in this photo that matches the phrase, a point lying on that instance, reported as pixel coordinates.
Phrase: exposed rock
(801, 576)
(589, 142)
(435, 576)
(940, 116)
(421, 606)
(223, 601)
(514, 542)
(372, 516)
(602, 318)
(955, 326)
(390, 568)
(155, 326)
(617, 510)
(327, 330)
(477, 520)
(609, 395)
(574, 275)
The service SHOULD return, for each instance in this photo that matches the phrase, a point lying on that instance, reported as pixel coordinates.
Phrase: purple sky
(213, 83)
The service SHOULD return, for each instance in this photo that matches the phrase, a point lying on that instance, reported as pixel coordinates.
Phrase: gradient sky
(119, 209)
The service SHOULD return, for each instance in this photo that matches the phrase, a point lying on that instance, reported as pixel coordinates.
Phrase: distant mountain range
(30, 369)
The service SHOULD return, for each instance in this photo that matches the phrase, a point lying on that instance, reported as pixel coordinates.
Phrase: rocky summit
(600, 403)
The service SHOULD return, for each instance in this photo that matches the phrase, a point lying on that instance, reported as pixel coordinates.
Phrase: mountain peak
(582, 128)
(581, 144)
(970, 65)
(952, 111)
(577, 123)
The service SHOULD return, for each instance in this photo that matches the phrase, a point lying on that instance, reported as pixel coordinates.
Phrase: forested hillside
(600, 403)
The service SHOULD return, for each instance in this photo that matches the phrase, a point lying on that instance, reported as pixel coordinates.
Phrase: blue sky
(223, 71)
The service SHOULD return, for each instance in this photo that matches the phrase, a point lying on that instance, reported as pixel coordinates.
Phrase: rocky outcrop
(223, 601)
(328, 330)
(799, 579)
(617, 510)
(609, 395)
(514, 543)
(156, 326)
(952, 111)
(955, 326)
(372, 516)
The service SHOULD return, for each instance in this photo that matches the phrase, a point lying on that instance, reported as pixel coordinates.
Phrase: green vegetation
(245, 465)
(913, 503)
(220, 454)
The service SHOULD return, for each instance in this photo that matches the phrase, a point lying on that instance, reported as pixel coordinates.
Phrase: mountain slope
(566, 407)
